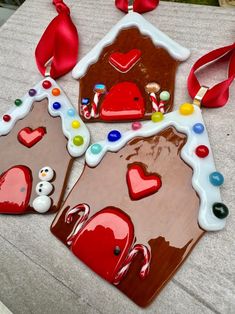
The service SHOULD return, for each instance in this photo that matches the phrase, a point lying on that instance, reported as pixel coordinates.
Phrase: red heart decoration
(29, 137)
(123, 102)
(141, 185)
(125, 61)
(15, 190)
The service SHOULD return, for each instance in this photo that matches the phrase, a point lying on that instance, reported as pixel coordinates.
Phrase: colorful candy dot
(216, 178)
(198, 128)
(85, 101)
(75, 124)
(6, 118)
(165, 95)
(71, 112)
(157, 117)
(56, 105)
(220, 210)
(136, 125)
(202, 151)
(46, 84)
(186, 109)
(96, 149)
(55, 92)
(18, 102)
(78, 140)
(32, 92)
(114, 136)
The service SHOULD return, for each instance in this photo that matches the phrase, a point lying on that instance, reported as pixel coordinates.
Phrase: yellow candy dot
(55, 92)
(157, 117)
(75, 124)
(186, 109)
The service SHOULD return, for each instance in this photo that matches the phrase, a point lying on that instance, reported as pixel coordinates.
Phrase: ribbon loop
(58, 44)
(140, 6)
(218, 95)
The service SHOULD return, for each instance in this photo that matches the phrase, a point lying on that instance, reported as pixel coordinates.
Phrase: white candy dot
(44, 188)
(42, 204)
(46, 174)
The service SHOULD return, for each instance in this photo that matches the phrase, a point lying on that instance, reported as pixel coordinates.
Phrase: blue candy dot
(85, 101)
(114, 136)
(96, 149)
(216, 178)
(56, 105)
(198, 128)
(71, 112)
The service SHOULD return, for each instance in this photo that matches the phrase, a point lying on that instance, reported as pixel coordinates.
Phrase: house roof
(202, 167)
(131, 19)
(62, 109)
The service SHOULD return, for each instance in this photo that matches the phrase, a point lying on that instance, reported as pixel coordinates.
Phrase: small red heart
(15, 190)
(123, 102)
(125, 61)
(29, 137)
(141, 185)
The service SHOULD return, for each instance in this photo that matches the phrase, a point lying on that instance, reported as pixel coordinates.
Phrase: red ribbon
(59, 43)
(140, 6)
(218, 95)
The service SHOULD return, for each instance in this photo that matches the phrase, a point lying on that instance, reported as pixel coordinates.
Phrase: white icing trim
(131, 19)
(20, 112)
(202, 167)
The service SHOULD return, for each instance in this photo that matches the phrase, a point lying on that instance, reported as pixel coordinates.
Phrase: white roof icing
(131, 19)
(19, 112)
(202, 167)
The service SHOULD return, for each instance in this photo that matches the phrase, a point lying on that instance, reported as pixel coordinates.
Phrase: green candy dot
(96, 149)
(18, 102)
(157, 117)
(165, 95)
(78, 140)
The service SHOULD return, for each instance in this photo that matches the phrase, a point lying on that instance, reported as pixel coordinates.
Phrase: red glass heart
(29, 137)
(140, 184)
(123, 102)
(125, 61)
(15, 190)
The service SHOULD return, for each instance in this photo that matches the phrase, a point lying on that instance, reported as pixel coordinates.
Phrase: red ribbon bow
(140, 6)
(218, 95)
(58, 44)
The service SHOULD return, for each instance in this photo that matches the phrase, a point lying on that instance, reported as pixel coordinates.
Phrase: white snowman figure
(42, 203)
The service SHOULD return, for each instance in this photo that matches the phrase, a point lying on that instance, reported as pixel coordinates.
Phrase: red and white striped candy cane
(94, 105)
(85, 112)
(82, 209)
(138, 248)
(154, 101)
(161, 106)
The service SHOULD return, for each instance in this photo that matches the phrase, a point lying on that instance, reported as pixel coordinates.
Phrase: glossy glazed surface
(29, 137)
(125, 61)
(166, 221)
(155, 65)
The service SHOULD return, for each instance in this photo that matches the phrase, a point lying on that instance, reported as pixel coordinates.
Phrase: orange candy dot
(55, 92)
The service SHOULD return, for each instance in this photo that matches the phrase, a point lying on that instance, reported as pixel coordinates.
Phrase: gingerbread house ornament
(129, 74)
(143, 201)
(39, 138)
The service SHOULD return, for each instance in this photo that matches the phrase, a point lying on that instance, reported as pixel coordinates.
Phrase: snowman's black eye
(41, 171)
(117, 250)
(46, 170)
(40, 190)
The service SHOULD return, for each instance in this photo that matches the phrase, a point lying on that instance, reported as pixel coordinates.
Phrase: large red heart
(29, 137)
(125, 61)
(141, 185)
(123, 102)
(15, 190)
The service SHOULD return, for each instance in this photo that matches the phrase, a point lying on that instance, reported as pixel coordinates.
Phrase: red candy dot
(46, 84)
(202, 151)
(6, 118)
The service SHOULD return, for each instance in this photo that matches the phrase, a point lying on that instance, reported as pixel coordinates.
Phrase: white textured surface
(38, 274)
(129, 20)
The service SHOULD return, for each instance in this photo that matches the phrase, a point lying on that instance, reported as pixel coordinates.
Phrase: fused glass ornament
(129, 74)
(37, 145)
(134, 224)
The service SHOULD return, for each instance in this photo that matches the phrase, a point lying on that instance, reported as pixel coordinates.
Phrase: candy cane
(161, 106)
(164, 97)
(99, 90)
(153, 88)
(84, 209)
(129, 259)
(84, 108)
